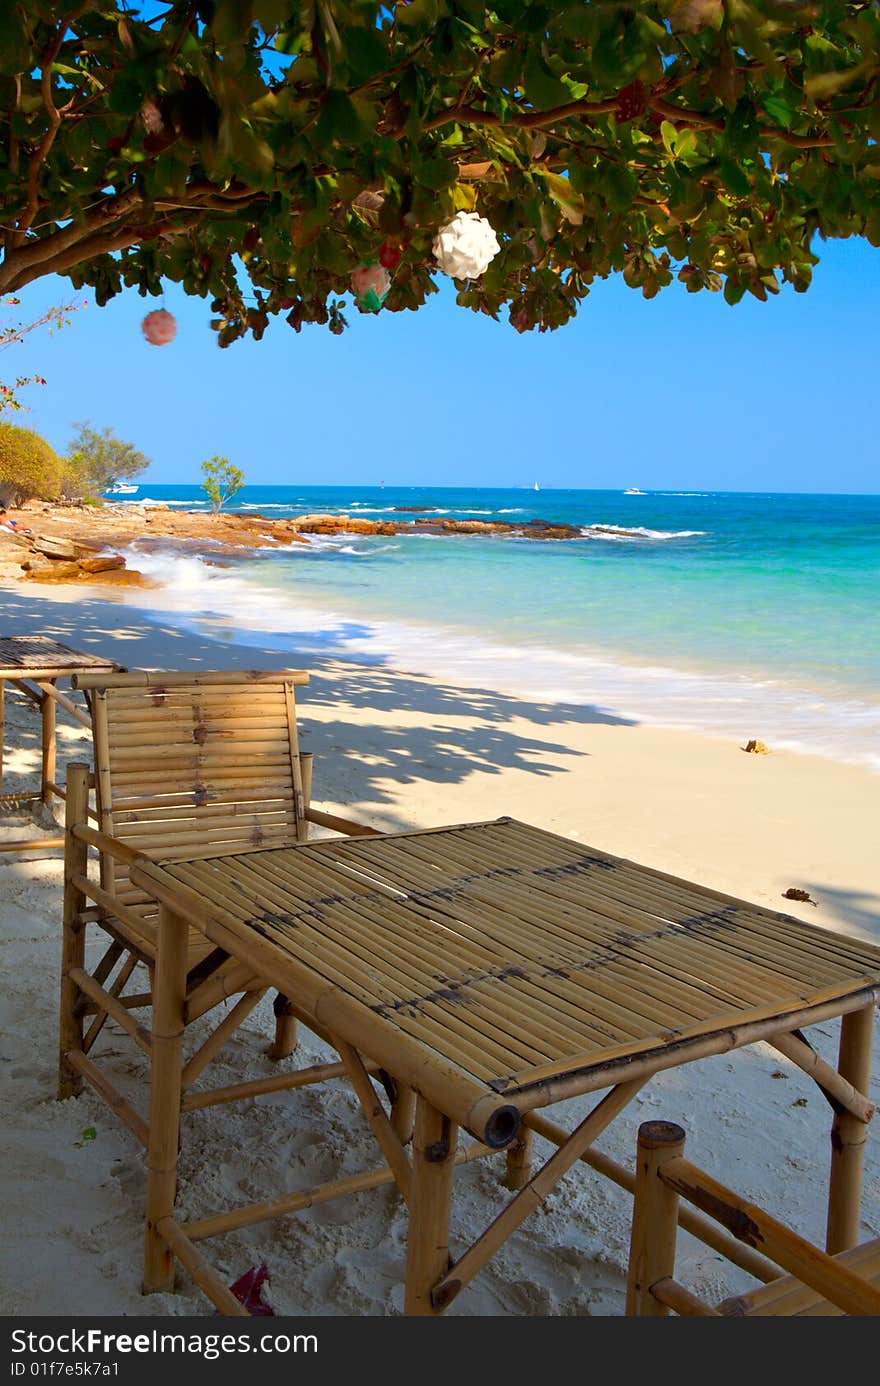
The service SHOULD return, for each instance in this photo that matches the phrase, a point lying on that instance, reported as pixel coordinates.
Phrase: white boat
(537, 487)
(121, 488)
(633, 491)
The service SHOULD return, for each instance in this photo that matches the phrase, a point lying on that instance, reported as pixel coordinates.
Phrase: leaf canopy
(257, 151)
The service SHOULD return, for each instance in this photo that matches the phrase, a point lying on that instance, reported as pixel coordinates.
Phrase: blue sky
(682, 391)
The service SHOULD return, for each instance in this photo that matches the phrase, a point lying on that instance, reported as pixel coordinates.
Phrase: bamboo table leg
(519, 1160)
(848, 1135)
(403, 1112)
(427, 1249)
(169, 999)
(47, 715)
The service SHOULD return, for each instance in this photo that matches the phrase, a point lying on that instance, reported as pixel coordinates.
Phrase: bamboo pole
(33, 844)
(339, 825)
(255, 1087)
(214, 990)
(69, 707)
(118, 1104)
(833, 1280)
(788, 1297)
(137, 1002)
(158, 682)
(427, 1245)
(295, 1202)
(73, 942)
(403, 1112)
(109, 1004)
(47, 746)
(284, 1042)
(655, 1218)
(299, 806)
(670, 1055)
(389, 1141)
(703, 1228)
(169, 997)
(135, 928)
(306, 765)
(674, 1296)
(204, 1276)
(519, 1161)
(848, 1134)
(828, 1079)
(533, 1195)
(216, 1040)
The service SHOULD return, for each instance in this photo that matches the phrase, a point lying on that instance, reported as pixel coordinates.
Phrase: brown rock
(102, 563)
(53, 547)
(59, 571)
(122, 577)
(757, 748)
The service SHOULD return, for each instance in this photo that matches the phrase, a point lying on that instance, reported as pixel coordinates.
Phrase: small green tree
(222, 481)
(97, 460)
(28, 466)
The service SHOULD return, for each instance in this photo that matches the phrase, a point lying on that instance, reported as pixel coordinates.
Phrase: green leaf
(779, 109)
(570, 203)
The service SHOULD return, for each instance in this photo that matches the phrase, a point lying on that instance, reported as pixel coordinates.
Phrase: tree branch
(35, 163)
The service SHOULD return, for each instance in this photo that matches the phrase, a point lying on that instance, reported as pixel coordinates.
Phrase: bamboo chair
(817, 1284)
(183, 763)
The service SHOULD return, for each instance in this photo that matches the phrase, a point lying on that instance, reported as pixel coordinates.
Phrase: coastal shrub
(29, 467)
(95, 461)
(222, 481)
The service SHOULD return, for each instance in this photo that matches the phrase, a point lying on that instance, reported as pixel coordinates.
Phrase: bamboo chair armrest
(111, 845)
(815, 1268)
(340, 825)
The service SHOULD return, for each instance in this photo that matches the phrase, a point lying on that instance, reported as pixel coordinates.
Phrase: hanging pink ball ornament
(370, 285)
(159, 327)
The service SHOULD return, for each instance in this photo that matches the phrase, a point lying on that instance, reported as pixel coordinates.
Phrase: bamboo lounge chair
(183, 763)
(817, 1284)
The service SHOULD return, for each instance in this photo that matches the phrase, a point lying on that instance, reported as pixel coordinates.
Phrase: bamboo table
(494, 969)
(34, 664)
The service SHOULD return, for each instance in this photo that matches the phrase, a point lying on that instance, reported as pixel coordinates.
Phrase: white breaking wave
(622, 533)
(214, 602)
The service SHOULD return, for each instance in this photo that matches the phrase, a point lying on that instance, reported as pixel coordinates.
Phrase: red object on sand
(249, 1290)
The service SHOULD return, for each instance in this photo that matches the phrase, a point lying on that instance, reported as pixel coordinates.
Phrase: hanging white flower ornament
(159, 327)
(466, 246)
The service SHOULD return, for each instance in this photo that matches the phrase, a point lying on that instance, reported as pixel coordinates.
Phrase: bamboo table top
(522, 958)
(38, 657)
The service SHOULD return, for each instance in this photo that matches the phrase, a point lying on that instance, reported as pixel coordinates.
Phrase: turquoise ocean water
(748, 615)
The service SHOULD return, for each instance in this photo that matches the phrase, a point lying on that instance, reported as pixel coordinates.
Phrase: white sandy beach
(400, 749)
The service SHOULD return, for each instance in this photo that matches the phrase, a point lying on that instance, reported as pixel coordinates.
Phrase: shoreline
(627, 762)
(401, 749)
(193, 562)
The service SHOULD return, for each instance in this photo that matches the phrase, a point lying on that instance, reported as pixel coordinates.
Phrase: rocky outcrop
(351, 524)
(54, 558)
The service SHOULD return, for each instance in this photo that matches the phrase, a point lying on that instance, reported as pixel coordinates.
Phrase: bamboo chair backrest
(190, 763)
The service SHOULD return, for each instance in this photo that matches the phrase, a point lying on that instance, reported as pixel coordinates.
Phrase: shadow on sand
(460, 729)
